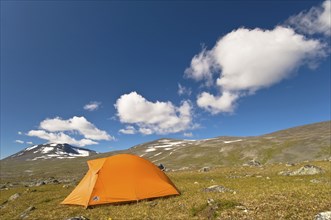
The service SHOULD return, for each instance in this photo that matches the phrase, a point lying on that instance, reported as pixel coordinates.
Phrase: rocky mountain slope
(51, 151)
(303, 143)
(309, 142)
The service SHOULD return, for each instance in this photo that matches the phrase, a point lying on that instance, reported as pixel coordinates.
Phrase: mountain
(298, 144)
(50, 151)
(309, 142)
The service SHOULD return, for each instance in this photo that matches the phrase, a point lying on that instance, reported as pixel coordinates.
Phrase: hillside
(304, 143)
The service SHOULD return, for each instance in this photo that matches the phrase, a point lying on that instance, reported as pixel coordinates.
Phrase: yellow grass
(264, 193)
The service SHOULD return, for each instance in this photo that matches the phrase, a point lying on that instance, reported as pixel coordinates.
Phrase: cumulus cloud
(54, 131)
(59, 137)
(316, 20)
(182, 90)
(78, 124)
(29, 142)
(19, 141)
(128, 130)
(247, 60)
(201, 67)
(19, 132)
(92, 106)
(153, 117)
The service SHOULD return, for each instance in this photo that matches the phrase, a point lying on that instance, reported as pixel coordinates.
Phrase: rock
(315, 181)
(196, 183)
(204, 169)
(40, 183)
(152, 203)
(78, 218)
(26, 212)
(13, 197)
(217, 188)
(323, 216)
(290, 164)
(210, 201)
(161, 167)
(253, 163)
(305, 170)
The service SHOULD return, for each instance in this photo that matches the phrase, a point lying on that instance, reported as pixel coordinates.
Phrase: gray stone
(217, 188)
(323, 216)
(253, 163)
(204, 169)
(305, 170)
(78, 218)
(26, 212)
(14, 197)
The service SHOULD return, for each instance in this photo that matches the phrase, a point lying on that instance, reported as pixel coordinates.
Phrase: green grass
(264, 193)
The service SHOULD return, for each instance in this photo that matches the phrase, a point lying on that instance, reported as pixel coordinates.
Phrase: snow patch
(227, 142)
(45, 150)
(157, 154)
(82, 153)
(53, 145)
(30, 148)
(150, 149)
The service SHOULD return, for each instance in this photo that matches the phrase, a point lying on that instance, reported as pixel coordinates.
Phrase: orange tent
(120, 178)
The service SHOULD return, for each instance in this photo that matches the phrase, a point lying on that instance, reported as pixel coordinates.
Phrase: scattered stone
(258, 176)
(26, 212)
(196, 183)
(40, 183)
(305, 170)
(323, 216)
(315, 181)
(13, 197)
(268, 178)
(152, 203)
(242, 208)
(217, 188)
(78, 218)
(290, 164)
(183, 168)
(253, 163)
(212, 181)
(161, 167)
(210, 201)
(204, 169)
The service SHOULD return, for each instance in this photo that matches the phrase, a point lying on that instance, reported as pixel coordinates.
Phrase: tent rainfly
(120, 178)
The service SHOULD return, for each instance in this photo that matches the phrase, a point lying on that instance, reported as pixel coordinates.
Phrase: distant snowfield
(52, 150)
(228, 142)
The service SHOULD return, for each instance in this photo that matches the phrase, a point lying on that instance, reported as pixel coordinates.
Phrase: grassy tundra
(258, 193)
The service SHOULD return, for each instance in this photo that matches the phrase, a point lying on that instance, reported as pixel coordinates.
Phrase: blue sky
(110, 75)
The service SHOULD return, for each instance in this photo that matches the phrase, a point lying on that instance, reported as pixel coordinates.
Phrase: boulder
(253, 163)
(204, 169)
(26, 212)
(78, 218)
(14, 197)
(305, 170)
(323, 216)
(217, 188)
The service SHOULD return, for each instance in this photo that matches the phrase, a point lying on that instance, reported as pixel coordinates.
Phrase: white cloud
(19, 141)
(92, 106)
(217, 104)
(19, 132)
(153, 117)
(128, 130)
(182, 90)
(248, 60)
(29, 142)
(53, 130)
(79, 124)
(201, 67)
(59, 137)
(188, 134)
(316, 20)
